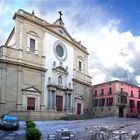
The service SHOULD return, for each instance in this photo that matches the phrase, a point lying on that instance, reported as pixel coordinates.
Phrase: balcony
(54, 85)
(19, 56)
(81, 76)
(7, 53)
(122, 93)
(121, 100)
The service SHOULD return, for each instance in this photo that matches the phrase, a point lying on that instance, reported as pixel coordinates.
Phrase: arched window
(60, 80)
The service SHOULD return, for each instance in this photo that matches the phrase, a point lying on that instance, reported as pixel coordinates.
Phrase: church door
(30, 103)
(78, 108)
(59, 103)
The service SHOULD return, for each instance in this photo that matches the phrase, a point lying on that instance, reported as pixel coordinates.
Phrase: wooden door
(30, 103)
(59, 103)
(78, 108)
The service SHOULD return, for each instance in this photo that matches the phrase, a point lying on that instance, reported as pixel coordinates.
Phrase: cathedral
(43, 70)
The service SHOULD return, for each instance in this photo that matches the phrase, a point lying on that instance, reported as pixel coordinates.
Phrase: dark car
(9, 122)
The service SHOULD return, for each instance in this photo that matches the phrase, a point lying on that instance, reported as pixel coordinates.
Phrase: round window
(60, 50)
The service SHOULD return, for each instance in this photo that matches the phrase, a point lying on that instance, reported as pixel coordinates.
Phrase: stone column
(19, 93)
(55, 100)
(48, 99)
(42, 105)
(71, 103)
(67, 102)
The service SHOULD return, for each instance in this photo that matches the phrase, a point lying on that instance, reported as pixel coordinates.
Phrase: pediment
(61, 69)
(79, 97)
(31, 89)
(61, 30)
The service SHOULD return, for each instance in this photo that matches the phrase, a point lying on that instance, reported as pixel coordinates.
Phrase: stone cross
(60, 14)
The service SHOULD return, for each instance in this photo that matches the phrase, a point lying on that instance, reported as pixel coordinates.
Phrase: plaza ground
(51, 126)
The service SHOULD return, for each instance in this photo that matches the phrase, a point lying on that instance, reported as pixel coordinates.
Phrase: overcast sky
(110, 29)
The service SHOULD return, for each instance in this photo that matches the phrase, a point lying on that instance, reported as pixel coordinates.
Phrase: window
(60, 80)
(80, 65)
(102, 92)
(138, 110)
(139, 93)
(109, 109)
(95, 93)
(132, 95)
(101, 102)
(95, 102)
(109, 101)
(60, 31)
(32, 42)
(110, 91)
(123, 99)
(131, 103)
(138, 104)
(60, 50)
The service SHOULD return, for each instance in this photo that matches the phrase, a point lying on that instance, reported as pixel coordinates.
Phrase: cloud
(117, 55)
(113, 54)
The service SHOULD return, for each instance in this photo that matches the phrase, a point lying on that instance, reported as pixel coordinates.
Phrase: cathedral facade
(43, 70)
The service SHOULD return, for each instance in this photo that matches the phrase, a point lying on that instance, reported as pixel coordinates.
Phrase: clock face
(60, 50)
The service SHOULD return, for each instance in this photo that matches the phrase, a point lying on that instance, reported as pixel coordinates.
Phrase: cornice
(59, 87)
(23, 65)
(81, 82)
(47, 26)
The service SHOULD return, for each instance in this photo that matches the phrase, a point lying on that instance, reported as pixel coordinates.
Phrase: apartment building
(116, 98)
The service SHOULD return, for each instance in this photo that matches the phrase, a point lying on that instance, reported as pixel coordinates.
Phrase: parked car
(9, 122)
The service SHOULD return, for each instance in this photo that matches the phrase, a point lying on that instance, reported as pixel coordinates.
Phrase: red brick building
(116, 98)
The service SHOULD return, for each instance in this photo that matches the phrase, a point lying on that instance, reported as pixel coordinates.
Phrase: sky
(109, 29)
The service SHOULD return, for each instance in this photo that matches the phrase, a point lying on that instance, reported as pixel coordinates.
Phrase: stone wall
(38, 115)
(14, 79)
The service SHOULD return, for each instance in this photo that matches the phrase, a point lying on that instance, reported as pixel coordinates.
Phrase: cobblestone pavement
(14, 135)
(51, 126)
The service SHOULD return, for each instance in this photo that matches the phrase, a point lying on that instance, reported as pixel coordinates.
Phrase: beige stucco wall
(11, 86)
(84, 91)
(22, 69)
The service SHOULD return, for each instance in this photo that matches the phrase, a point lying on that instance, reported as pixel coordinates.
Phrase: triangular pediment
(61, 30)
(31, 89)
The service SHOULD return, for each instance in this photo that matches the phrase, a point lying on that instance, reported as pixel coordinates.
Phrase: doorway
(59, 103)
(121, 110)
(30, 103)
(78, 108)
